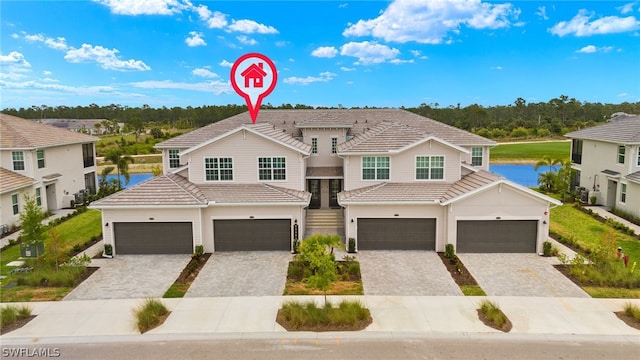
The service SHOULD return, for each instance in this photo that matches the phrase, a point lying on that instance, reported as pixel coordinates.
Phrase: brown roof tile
(622, 129)
(469, 183)
(252, 193)
(18, 133)
(382, 138)
(10, 180)
(390, 192)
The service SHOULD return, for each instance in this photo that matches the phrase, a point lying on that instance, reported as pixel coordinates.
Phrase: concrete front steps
(324, 221)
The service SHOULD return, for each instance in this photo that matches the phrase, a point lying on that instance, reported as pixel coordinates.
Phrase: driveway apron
(130, 277)
(405, 273)
(251, 273)
(519, 275)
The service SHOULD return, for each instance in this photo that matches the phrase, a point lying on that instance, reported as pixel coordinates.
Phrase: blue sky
(353, 53)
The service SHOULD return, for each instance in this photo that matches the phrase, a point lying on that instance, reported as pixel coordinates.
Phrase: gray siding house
(388, 178)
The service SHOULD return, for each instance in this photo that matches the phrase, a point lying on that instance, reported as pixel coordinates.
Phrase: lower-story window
(14, 203)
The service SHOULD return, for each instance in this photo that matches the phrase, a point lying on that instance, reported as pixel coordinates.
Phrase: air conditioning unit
(68, 201)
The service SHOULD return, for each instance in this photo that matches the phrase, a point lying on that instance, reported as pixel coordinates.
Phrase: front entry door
(335, 186)
(314, 188)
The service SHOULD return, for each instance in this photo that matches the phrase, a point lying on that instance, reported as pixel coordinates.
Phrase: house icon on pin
(256, 73)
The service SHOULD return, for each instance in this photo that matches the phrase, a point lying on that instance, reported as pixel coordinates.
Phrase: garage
(497, 236)
(252, 235)
(139, 238)
(396, 234)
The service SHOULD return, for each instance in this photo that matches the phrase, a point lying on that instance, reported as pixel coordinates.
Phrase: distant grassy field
(530, 152)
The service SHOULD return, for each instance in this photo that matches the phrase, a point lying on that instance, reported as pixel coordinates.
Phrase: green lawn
(588, 232)
(531, 151)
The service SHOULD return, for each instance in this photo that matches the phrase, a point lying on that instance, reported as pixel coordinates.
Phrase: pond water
(523, 174)
(134, 179)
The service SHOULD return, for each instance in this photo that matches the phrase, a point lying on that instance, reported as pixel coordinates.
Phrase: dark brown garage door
(153, 238)
(252, 235)
(497, 236)
(396, 234)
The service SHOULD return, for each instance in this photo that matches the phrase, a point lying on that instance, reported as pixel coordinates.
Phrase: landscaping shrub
(449, 251)
(626, 215)
(633, 311)
(351, 245)
(493, 313)
(199, 250)
(66, 276)
(149, 314)
(308, 315)
(547, 249)
(10, 314)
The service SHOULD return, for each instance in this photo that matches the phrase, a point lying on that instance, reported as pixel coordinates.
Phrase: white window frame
(376, 168)
(15, 204)
(476, 156)
(334, 145)
(271, 170)
(217, 169)
(638, 160)
(39, 196)
(175, 158)
(623, 193)
(41, 159)
(314, 145)
(17, 157)
(622, 150)
(429, 168)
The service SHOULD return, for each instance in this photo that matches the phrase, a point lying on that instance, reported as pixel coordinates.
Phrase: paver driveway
(130, 277)
(405, 273)
(519, 275)
(250, 273)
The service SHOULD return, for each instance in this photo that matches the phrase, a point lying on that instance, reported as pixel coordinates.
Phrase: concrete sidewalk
(603, 212)
(243, 317)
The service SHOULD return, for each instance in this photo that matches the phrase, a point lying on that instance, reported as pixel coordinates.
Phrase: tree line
(519, 119)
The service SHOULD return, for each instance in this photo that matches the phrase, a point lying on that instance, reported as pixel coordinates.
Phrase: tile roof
(383, 137)
(18, 133)
(169, 189)
(359, 121)
(469, 183)
(622, 129)
(280, 135)
(10, 180)
(325, 171)
(635, 177)
(175, 190)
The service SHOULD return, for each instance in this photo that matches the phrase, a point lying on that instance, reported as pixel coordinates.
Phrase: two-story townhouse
(396, 180)
(607, 162)
(43, 161)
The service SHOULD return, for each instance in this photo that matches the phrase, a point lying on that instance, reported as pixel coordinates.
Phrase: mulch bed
(360, 325)
(458, 272)
(186, 277)
(86, 245)
(629, 320)
(15, 325)
(506, 327)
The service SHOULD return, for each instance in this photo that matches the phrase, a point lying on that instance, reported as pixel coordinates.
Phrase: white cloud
(542, 12)
(46, 72)
(58, 43)
(496, 67)
(342, 6)
(325, 52)
(281, 43)
(344, 68)
(430, 22)
(400, 61)
(203, 11)
(13, 66)
(204, 73)
(217, 87)
(217, 21)
(195, 39)
(590, 49)
(581, 25)
(77, 90)
(14, 58)
(250, 27)
(246, 40)
(418, 54)
(626, 8)
(225, 63)
(146, 7)
(107, 58)
(369, 52)
(324, 77)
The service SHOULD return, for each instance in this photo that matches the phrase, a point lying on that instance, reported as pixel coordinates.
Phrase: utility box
(31, 251)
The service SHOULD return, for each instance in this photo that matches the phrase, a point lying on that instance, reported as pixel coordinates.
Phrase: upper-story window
(14, 203)
(87, 155)
(314, 145)
(638, 161)
(375, 168)
(621, 151)
(18, 160)
(476, 156)
(429, 167)
(218, 169)
(272, 168)
(174, 158)
(334, 145)
(623, 193)
(40, 155)
(576, 151)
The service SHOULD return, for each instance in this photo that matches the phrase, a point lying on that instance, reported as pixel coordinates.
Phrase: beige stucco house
(43, 161)
(607, 162)
(388, 178)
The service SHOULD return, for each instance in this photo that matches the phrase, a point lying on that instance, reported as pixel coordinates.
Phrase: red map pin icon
(253, 77)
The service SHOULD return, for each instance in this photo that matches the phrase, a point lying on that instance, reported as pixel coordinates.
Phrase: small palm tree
(547, 161)
(121, 161)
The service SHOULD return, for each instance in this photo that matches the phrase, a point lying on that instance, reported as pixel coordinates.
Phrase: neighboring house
(607, 162)
(388, 178)
(39, 160)
(87, 126)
